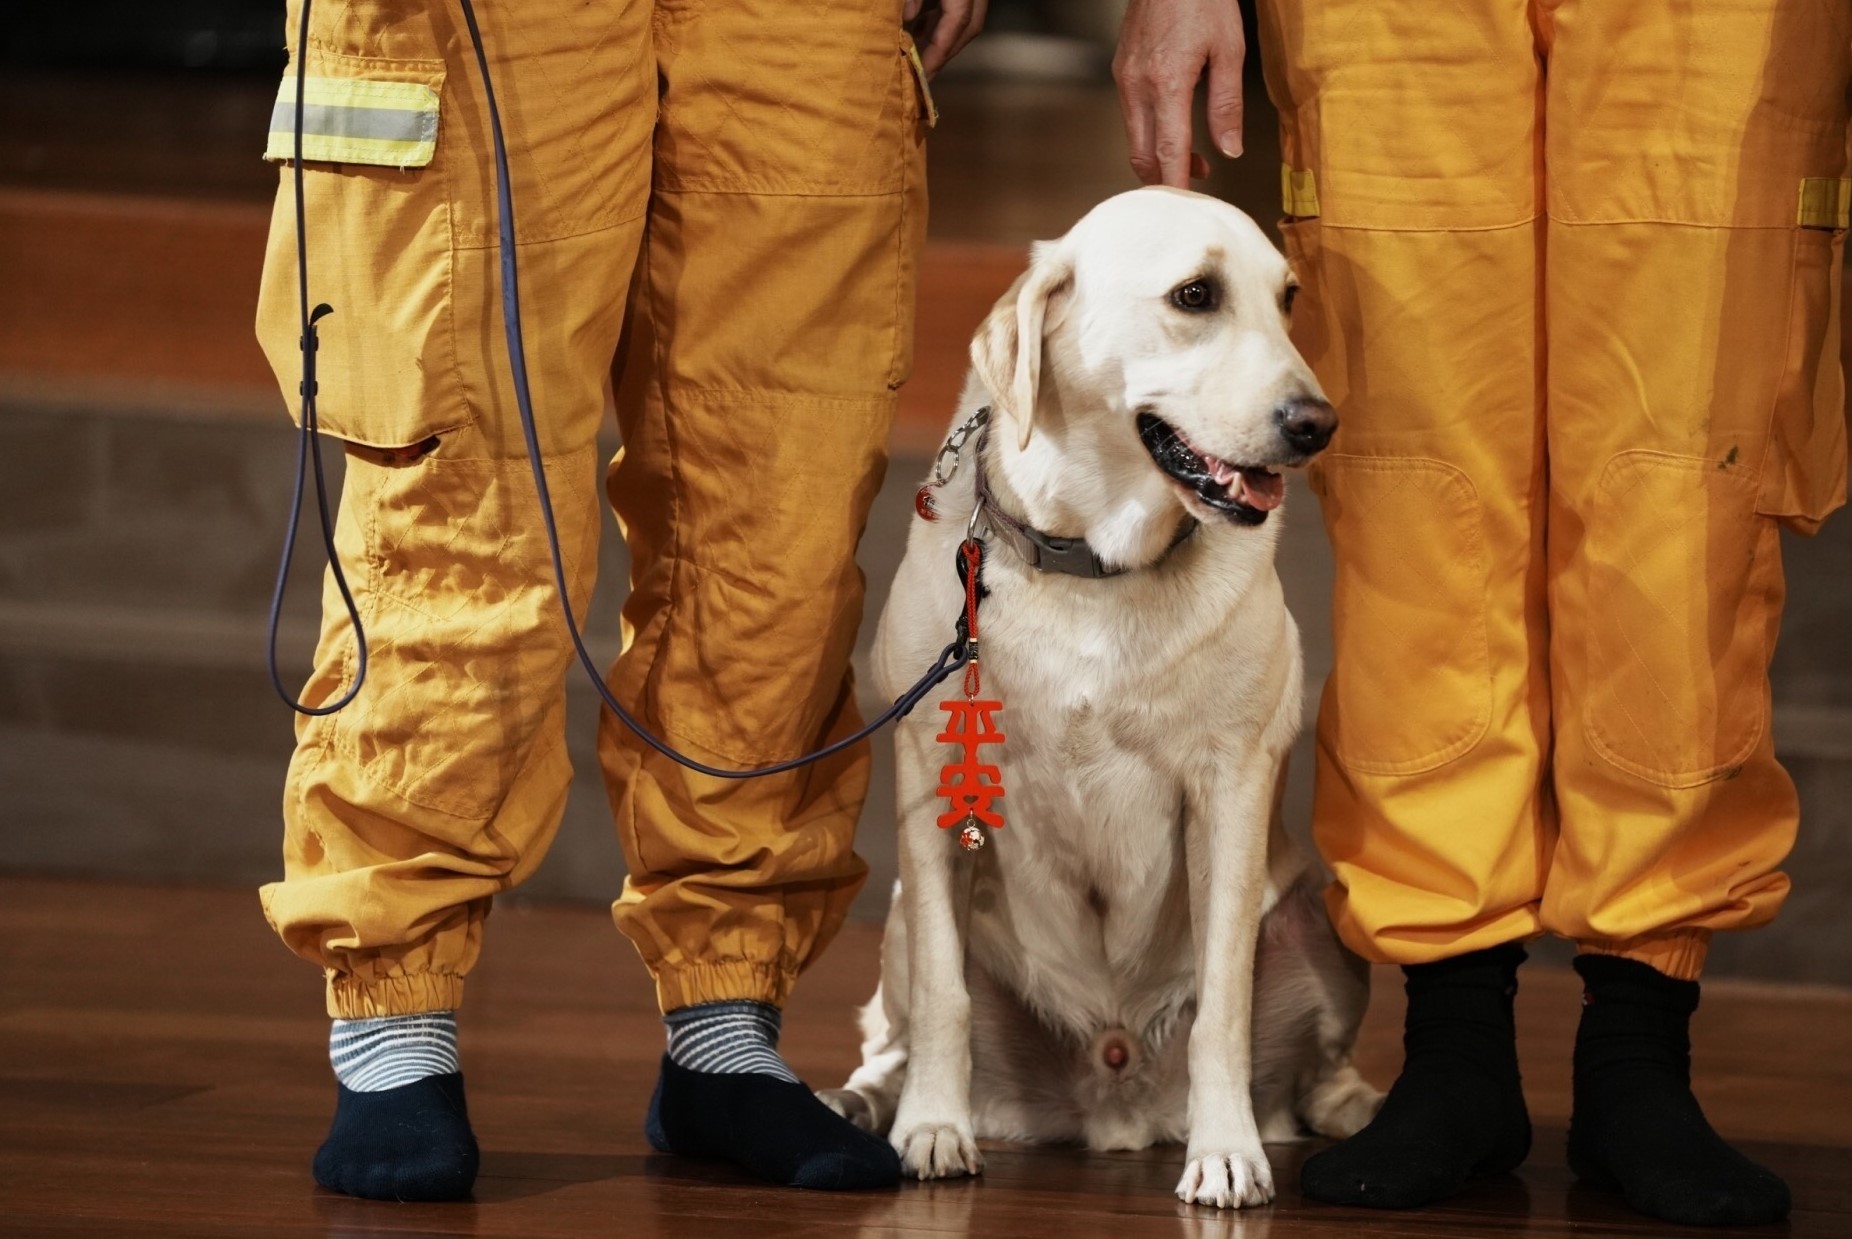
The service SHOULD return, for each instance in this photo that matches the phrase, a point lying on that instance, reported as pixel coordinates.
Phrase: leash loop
(308, 448)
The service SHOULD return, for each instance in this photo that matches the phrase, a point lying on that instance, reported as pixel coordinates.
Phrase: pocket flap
(356, 120)
(1826, 202)
(1298, 192)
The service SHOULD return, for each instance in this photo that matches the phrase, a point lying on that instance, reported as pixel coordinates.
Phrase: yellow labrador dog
(1139, 955)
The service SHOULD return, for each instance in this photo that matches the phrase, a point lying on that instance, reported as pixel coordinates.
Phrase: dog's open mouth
(1244, 493)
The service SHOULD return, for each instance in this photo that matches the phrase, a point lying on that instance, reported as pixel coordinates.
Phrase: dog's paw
(937, 1150)
(850, 1104)
(1340, 1105)
(1227, 1180)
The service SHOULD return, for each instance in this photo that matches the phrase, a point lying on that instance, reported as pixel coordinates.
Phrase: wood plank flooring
(163, 1072)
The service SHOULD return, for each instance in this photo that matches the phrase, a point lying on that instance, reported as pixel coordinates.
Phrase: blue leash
(306, 446)
(951, 659)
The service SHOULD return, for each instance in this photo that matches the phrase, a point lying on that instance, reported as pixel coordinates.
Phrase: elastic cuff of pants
(723, 981)
(1410, 946)
(351, 998)
(1679, 955)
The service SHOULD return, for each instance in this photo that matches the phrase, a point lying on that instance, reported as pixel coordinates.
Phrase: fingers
(1164, 48)
(1159, 155)
(1159, 60)
(1224, 103)
(909, 10)
(1172, 132)
(1140, 142)
(957, 23)
(980, 9)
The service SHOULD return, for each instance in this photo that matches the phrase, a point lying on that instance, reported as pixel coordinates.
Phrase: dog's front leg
(932, 1126)
(1225, 844)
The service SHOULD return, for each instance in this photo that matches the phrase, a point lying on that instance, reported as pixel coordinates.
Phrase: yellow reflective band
(353, 120)
(1298, 191)
(1825, 202)
(919, 75)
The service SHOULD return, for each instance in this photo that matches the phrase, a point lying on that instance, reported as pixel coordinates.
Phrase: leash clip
(942, 472)
(955, 445)
(310, 343)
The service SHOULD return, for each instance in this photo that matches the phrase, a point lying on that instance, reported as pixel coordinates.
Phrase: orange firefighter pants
(1572, 276)
(728, 198)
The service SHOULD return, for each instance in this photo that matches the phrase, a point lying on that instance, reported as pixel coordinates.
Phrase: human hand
(942, 27)
(1164, 48)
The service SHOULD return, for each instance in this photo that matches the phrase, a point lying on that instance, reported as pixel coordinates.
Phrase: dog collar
(1045, 552)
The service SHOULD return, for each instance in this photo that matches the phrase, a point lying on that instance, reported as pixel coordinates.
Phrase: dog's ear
(1007, 350)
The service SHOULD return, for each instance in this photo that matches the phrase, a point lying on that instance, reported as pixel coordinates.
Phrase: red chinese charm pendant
(970, 785)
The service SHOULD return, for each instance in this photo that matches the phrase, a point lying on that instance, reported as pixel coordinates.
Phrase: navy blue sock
(412, 1142)
(772, 1128)
(1636, 1127)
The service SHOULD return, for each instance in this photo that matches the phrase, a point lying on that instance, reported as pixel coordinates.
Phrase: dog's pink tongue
(1261, 489)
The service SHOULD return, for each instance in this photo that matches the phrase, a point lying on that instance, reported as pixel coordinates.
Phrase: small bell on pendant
(972, 837)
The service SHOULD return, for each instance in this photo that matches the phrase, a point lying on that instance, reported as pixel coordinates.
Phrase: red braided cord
(974, 559)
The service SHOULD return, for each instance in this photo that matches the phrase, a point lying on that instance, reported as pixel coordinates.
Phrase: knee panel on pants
(1682, 578)
(1410, 686)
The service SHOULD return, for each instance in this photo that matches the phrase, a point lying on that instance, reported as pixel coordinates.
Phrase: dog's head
(1155, 331)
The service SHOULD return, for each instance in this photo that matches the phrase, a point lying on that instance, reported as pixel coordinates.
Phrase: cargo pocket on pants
(378, 209)
(1411, 681)
(1682, 574)
(1804, 470)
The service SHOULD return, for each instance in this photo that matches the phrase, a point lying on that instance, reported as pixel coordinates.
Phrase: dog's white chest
(1081, 902)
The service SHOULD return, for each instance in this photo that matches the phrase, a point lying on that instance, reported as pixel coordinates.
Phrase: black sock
(1636, 1127)
(412, 1142)
(771, 1128)
(1457, 1110)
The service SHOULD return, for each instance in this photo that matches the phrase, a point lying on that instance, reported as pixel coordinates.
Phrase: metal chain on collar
(954, 446)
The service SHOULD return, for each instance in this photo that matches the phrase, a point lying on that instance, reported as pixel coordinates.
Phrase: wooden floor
(162, 1072)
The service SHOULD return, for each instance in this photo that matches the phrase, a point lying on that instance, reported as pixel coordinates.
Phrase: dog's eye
(1197, 296)
(1288, 297)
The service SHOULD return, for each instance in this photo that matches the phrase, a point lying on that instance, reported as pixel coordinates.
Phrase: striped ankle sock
(727, 1038)
(371, 1056)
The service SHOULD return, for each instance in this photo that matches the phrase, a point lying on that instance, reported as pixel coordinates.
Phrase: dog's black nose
(1307, 423)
